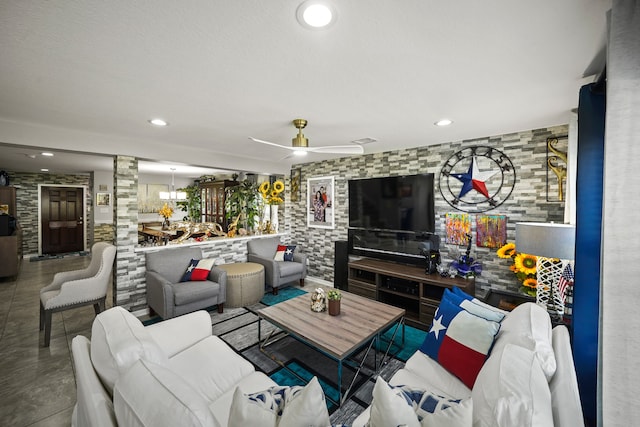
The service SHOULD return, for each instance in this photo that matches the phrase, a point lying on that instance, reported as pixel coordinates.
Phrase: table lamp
(554, 247)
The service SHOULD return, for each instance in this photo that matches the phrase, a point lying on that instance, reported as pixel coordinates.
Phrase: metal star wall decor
(484, 169)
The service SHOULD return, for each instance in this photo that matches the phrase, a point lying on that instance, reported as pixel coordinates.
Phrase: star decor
(475, 168)
(474, 179)
(437, 326)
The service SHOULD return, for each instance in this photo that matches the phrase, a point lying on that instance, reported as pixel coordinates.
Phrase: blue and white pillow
(421, 407)
(280, 406)
(473, 305)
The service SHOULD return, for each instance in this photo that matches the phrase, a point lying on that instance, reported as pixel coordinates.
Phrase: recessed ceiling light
(44, 170)
(443, 122)
(316, 14)
(158, 122)
(46, 153)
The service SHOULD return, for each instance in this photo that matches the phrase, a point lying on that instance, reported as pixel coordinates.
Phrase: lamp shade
(546, 239)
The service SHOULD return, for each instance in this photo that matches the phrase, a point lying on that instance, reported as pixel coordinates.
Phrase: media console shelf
(404, 286)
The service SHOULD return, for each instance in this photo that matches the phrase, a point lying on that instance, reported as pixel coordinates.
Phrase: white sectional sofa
(528, 380)
(168, 374)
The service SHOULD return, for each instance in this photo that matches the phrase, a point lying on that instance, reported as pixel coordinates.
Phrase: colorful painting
(491, 230)
(458, 225)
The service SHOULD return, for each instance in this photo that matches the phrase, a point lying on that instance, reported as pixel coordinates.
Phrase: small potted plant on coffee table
(334, 296)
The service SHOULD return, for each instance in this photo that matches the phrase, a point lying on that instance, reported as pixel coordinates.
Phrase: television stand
(405, 286)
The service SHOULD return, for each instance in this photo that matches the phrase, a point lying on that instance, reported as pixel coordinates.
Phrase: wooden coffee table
(360, 323)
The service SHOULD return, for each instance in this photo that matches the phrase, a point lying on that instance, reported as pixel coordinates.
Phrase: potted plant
(243, 201)
(334, 296)
(192, 206)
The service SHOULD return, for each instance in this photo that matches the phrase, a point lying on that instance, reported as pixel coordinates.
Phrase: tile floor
(37, 384)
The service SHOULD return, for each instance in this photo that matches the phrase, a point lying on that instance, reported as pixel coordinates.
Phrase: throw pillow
(198, 270)
(280, 406)
(456, 290)
(459, 341)
(421, 406)
(473, 308)
(284, 253)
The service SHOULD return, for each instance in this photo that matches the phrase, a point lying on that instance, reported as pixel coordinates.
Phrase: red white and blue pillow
(198, 270)
(284, 253)
(459, 341)
(473, 305)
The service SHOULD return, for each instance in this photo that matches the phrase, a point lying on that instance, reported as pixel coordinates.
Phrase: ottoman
(245, 283)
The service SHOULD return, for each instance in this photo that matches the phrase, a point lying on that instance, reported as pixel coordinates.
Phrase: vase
(265, 224)
(165, 224)
(334, 307)
(274, 218)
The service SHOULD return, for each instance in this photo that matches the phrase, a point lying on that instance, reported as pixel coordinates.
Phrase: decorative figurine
(318, 300)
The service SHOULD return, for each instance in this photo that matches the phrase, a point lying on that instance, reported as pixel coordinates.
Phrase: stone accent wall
(527, 151)
(129, 291)
(27, 203)
(104, 233)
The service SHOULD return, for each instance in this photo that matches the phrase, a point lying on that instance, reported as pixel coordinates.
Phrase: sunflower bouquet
(271, 193)
(524, 267)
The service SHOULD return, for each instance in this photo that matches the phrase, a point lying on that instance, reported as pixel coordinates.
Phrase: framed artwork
(491, 231)
(103, 199)
(295, 184)
(457, 225)
(320, 202)
(149, 197)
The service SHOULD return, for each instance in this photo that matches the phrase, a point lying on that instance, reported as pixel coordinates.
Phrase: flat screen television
(394, 203)
(390, 216)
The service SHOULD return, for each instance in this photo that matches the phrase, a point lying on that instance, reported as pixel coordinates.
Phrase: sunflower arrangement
(524, 267)
(271, 193)
(166, 211)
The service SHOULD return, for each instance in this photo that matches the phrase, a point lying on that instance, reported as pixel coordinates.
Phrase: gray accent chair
(277, 273)
(77, 288)
(168, 297)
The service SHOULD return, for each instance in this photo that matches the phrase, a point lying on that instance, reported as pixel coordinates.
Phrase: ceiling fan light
(299, 153)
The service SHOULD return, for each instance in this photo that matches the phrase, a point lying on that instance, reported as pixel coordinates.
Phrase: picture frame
(103, 199)
(321, 202)
(295, 184)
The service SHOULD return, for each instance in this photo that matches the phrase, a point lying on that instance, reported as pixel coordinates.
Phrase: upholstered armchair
(277, 273)
(71, 289)
(168, 296)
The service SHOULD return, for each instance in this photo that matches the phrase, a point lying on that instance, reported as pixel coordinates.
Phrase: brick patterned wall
(129, 290)
(103, 233)
(27, 203)
(527, 151)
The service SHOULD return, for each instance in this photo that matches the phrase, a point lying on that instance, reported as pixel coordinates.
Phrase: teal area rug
(285, 377)
(283, 295)
(413, 339)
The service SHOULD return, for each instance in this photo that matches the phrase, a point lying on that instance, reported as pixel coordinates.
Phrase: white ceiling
(85, 76)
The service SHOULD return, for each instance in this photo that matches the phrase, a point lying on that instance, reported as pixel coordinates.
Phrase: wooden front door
(62, 213)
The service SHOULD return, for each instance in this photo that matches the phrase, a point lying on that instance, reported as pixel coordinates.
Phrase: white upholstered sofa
(168, 374)
(528, 380)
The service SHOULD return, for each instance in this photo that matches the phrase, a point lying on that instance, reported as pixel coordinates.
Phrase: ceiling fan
(300, 144)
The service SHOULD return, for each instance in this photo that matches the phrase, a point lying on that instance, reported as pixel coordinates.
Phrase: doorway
(62, 219)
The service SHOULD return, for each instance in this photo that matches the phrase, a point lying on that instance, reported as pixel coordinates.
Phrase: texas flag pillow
(284, 253)
(198, 270)
(459, 341)
(456, 290)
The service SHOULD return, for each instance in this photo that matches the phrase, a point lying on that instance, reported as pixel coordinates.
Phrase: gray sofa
(277, 273)
(169, 297)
